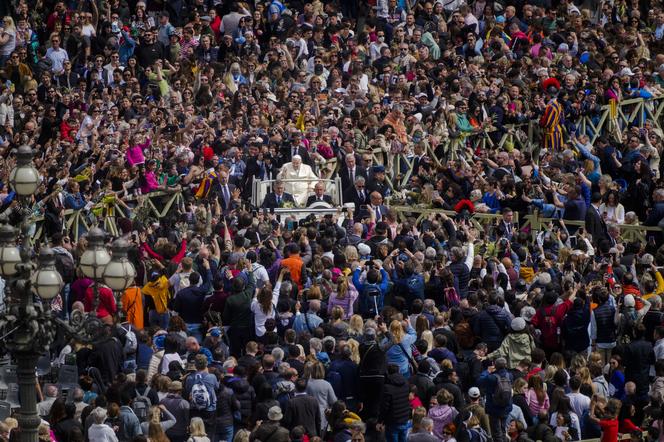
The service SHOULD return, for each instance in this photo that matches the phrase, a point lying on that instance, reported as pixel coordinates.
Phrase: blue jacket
(487, 383)
(411, 287)
(306, 323)
(400, 354)
(364, 301)
(74, 201)
(130, 426)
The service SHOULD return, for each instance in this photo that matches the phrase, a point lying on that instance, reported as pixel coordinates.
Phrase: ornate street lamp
(10, 255)
(24, 178)
(46, 281)
(95, 257)
(119, 273)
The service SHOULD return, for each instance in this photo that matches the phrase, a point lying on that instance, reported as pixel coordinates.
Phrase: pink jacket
(135, 153)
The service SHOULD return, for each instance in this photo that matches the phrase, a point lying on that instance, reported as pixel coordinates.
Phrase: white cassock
(300, 190)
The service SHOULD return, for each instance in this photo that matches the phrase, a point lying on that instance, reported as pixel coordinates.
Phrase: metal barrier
(632, 111)
(77, 222)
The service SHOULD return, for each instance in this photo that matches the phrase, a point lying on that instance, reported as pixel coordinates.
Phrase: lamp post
(27, 326)
(119, 273)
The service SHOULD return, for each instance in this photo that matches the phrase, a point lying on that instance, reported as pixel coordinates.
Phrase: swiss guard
(552, 120)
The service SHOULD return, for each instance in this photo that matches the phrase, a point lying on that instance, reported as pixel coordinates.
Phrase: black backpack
(369, 304)
(502, 394)
(65, 265)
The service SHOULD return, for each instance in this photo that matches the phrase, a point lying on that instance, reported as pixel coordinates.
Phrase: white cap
(629, 301)
(626, 72)
(363, 249)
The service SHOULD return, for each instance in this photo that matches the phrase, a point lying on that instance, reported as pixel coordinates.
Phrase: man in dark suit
(303, 410)
(319, 195)
(506, 227)
(225, 192)
(376, 206)
(297, 148)
(357, 194)
(278, 198)
(349, 172)
(595, 224)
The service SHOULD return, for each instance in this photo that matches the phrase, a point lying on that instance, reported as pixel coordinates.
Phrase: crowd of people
(246, 323)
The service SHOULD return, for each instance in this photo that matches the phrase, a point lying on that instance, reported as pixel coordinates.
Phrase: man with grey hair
(99, 431)
(78, 401)
(425, 433)
(278, 198)
(349, 172)
(44, 407)
(357, 195)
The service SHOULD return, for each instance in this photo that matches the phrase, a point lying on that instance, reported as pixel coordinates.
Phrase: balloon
(585, 57)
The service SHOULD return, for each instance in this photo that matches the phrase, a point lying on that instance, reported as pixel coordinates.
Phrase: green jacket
(237, 311)
(516, 347)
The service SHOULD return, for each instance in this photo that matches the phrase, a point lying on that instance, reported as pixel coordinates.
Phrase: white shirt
(102, 433)
(580, 403)
(58, 58)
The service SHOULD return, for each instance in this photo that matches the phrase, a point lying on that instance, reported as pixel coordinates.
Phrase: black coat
(245, 394)
(637, 356)
(107, 357)
(395, 407)
(491, 326)
(303, 410)
(596, 226)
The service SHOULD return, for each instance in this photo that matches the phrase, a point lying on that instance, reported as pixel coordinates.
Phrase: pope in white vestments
(296, 170)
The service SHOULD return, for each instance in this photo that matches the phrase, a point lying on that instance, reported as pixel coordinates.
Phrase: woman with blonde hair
(427, 336)
(344, 296)
(401, 336)
(197, 431)
(350, 252)
(7, 39)
(156, 433)
(154, 417)
(354, 350)
(356, 326)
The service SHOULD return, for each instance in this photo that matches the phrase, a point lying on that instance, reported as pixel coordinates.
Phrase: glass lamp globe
(24, 178)
(95, 258)
(10, 255)
(46, 281)
(119, 272)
